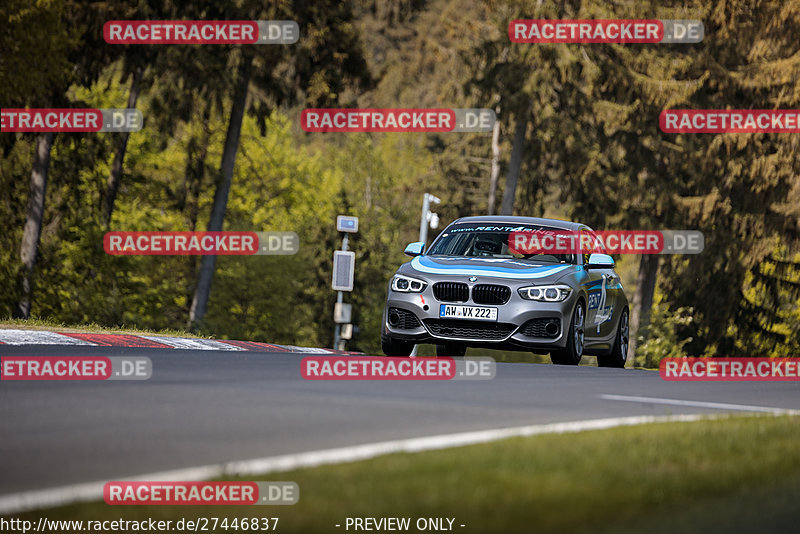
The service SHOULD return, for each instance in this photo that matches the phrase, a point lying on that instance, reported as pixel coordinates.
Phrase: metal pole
(337, 330)
(423, 223)
(339, 294)
(423, 233)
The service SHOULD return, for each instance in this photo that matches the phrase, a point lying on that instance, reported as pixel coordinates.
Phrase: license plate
(467, 312)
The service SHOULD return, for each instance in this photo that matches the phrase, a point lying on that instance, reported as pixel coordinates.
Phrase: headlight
(556, 293)
(404, 284)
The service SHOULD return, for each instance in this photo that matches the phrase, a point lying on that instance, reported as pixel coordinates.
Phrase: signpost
(344, 263)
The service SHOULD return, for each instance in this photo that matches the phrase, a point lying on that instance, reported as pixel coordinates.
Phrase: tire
(451, 350)
(396, 347)
(619, 352)
(576, 338)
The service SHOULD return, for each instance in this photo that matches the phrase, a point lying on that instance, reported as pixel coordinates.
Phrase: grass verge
(738, 474)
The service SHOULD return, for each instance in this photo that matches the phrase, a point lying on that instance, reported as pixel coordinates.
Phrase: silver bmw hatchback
(474, 288)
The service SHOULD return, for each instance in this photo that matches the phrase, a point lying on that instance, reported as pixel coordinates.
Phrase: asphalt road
(207, 407)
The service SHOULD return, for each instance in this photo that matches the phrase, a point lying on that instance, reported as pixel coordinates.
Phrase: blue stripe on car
(425, 265)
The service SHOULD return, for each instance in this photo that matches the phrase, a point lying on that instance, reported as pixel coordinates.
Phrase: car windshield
(487, 241)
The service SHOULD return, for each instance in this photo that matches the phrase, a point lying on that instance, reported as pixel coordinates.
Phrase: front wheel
(619, 352)
(573, 352)
(395, 347)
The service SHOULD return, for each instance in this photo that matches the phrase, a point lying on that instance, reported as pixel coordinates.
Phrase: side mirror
(415, 249)
(600, 261)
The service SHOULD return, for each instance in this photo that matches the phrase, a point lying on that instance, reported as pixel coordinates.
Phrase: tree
(33, 223)
(741, 190)
(200, 301)
(115, 175)
(736, 188)
(21, 87)
(47, 49)
(174, 65)
(321, 67)
(515, 164)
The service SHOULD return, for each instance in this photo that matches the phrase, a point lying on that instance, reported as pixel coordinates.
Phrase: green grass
(38, 323)
(727, 475)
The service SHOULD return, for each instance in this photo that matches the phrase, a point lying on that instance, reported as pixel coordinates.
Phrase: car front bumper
(521, 323)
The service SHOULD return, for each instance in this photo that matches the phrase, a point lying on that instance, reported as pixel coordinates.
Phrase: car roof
(508, 219)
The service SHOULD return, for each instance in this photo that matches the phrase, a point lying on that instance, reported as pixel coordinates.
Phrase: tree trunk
(203, 289)
(116, 167)
(195, 171)
(642, 302)
(33, 222)
(192, 185)
(495, 166)
(515, 164)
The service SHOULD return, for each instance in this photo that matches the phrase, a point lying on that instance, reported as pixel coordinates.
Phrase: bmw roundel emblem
(473, 278)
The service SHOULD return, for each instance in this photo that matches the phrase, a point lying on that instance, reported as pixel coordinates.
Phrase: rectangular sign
(343, 270)
(345, 223)
(342, 313)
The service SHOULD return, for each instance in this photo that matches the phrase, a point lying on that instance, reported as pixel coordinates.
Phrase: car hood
(493, 267)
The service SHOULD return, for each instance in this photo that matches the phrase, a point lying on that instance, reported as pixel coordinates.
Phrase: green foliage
(277, 187)
(769, 322)
(34, 61)
(666, 335)
(15, 166)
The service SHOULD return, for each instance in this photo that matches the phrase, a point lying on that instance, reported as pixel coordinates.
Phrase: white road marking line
(192, 343)
(32, 500)
(308, 350)
(38, 337)
(44, 337)
(702, 404)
